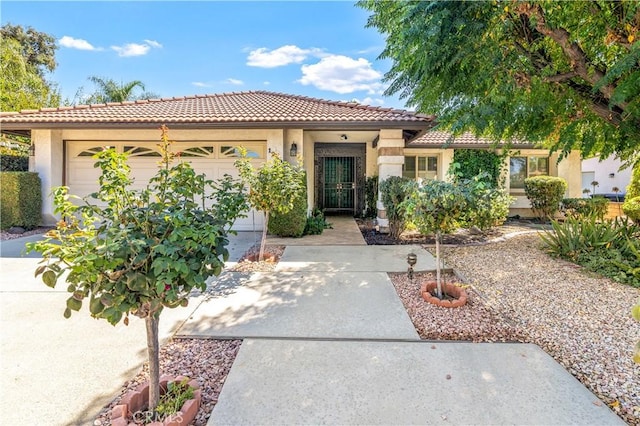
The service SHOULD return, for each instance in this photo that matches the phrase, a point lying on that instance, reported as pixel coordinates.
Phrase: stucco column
(49, 164)
(390, 162)
(567, 170)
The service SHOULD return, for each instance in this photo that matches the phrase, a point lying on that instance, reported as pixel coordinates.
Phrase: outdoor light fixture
(343, 137)
(612, 175)
(294, 150)
(412, 259)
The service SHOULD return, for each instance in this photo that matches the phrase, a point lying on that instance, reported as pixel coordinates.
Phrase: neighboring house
(340, 143)
(433, 154)
(608, 175)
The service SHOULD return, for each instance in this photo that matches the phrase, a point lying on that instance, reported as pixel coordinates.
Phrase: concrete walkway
(343, 231)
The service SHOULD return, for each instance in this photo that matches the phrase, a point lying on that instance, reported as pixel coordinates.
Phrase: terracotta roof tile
(236, 107)
(439, 139)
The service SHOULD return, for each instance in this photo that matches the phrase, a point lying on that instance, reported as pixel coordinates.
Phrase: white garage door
(214, 159)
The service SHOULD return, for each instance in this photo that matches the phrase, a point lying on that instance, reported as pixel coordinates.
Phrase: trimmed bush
(316, 223)
(545, 194)
(585, 207)
(371, 195)
(488, 205)
(14, 163)
(631, 206)
(20, 200)
(292, 223)
(394, 190)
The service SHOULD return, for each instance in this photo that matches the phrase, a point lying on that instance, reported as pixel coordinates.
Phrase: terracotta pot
(458, 293)
(135, 402)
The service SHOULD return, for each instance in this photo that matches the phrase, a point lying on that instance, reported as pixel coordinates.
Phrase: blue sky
(317, 49)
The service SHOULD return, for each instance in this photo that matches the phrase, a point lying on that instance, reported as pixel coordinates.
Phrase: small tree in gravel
(274, 187)
(435, 207)
(138, 252)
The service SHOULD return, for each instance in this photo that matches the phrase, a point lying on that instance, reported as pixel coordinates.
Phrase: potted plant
(435, 208)
(128, 252)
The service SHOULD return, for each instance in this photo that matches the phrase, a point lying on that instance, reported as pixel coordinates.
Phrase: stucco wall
(601, 174)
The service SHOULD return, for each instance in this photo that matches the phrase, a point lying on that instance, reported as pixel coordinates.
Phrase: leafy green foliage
(371, 195)
(108, 90)
(506, 69)
(292, 223)
(545, 194)
(316, 223)
(274, 187)
(122, 251)
(469, 163)
(581, 208)
(631, 205)
(173, 399)
(394, 190)
(609, 247)
(487, 205)
(38, 49)
(20, 200)
(14, 163)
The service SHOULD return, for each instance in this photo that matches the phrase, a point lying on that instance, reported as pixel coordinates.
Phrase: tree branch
(559, 78)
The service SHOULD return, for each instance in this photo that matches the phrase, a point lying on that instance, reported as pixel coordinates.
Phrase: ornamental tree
(273, 187)
(560, 73)
(436, 207)
(124, 252)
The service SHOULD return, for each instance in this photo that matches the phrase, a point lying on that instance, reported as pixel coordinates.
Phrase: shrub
(293, 222)
(20, 200)
(394, 190)
(631, 206)
(585, 207)
(14, 163)
(609, 247)
(316, 223)
(468, 163)
(488, 205)
(545, 194)
(371, 196)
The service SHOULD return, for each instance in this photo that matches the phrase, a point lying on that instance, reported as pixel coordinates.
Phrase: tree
(138, 252)
(108, 90)
(22, 82)
(274, 187)
(394, 190)
(38, 49)
(562, 74)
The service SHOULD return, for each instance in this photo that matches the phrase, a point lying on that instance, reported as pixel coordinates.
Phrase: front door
(339, 187)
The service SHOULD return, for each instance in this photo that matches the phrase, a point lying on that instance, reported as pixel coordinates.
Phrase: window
(417, 167)
(521, 168)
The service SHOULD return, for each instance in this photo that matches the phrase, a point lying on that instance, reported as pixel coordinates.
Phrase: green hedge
(585, 207)
(14, 163)
(20, 200)
(291, 224)
(545, 194)
(631, 206)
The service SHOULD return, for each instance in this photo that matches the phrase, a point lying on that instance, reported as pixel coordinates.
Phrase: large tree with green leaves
(109, 90)
(25, 59)
(563, 74)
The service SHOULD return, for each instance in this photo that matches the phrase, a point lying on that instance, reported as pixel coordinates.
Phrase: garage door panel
(82, 177)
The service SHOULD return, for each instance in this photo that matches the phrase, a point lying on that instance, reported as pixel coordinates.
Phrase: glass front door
(339, 186)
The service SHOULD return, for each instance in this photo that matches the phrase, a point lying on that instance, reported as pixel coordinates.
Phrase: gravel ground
(4, 235)
(579, 318)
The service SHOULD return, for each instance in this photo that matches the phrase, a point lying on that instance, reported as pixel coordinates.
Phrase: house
(608, 174)
(340, 143)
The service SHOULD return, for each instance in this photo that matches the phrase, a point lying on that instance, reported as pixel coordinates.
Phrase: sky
(178, 48)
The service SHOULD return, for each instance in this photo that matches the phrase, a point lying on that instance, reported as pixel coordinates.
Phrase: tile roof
(238, 108)
(441, 139)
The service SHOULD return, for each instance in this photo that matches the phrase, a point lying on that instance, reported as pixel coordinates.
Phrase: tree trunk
(263, 243)
(153, 350)
(438, 280)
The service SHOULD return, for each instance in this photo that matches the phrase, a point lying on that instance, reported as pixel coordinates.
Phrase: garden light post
(412, 259)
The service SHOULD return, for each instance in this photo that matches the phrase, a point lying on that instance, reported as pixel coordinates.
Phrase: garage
(214, 159)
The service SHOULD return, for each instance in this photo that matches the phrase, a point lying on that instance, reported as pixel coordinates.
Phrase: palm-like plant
(108, 90)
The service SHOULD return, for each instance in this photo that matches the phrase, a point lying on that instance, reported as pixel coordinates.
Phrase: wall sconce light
(343, 137)
(612, 175)
(294, 150)
(32, 150)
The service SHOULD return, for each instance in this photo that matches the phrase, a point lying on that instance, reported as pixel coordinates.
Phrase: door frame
(328, 149)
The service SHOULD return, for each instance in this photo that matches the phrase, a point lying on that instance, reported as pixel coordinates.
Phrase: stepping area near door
(327, 341)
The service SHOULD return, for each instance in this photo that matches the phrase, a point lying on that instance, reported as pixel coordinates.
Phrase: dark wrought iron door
(339, 190)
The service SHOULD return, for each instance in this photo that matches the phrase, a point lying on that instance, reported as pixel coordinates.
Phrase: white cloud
(153, 43)
(136, 49)
(285, 55)
(76, 43)
(234, 81)
(371, 101)
(200, 84)
(342, 74)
